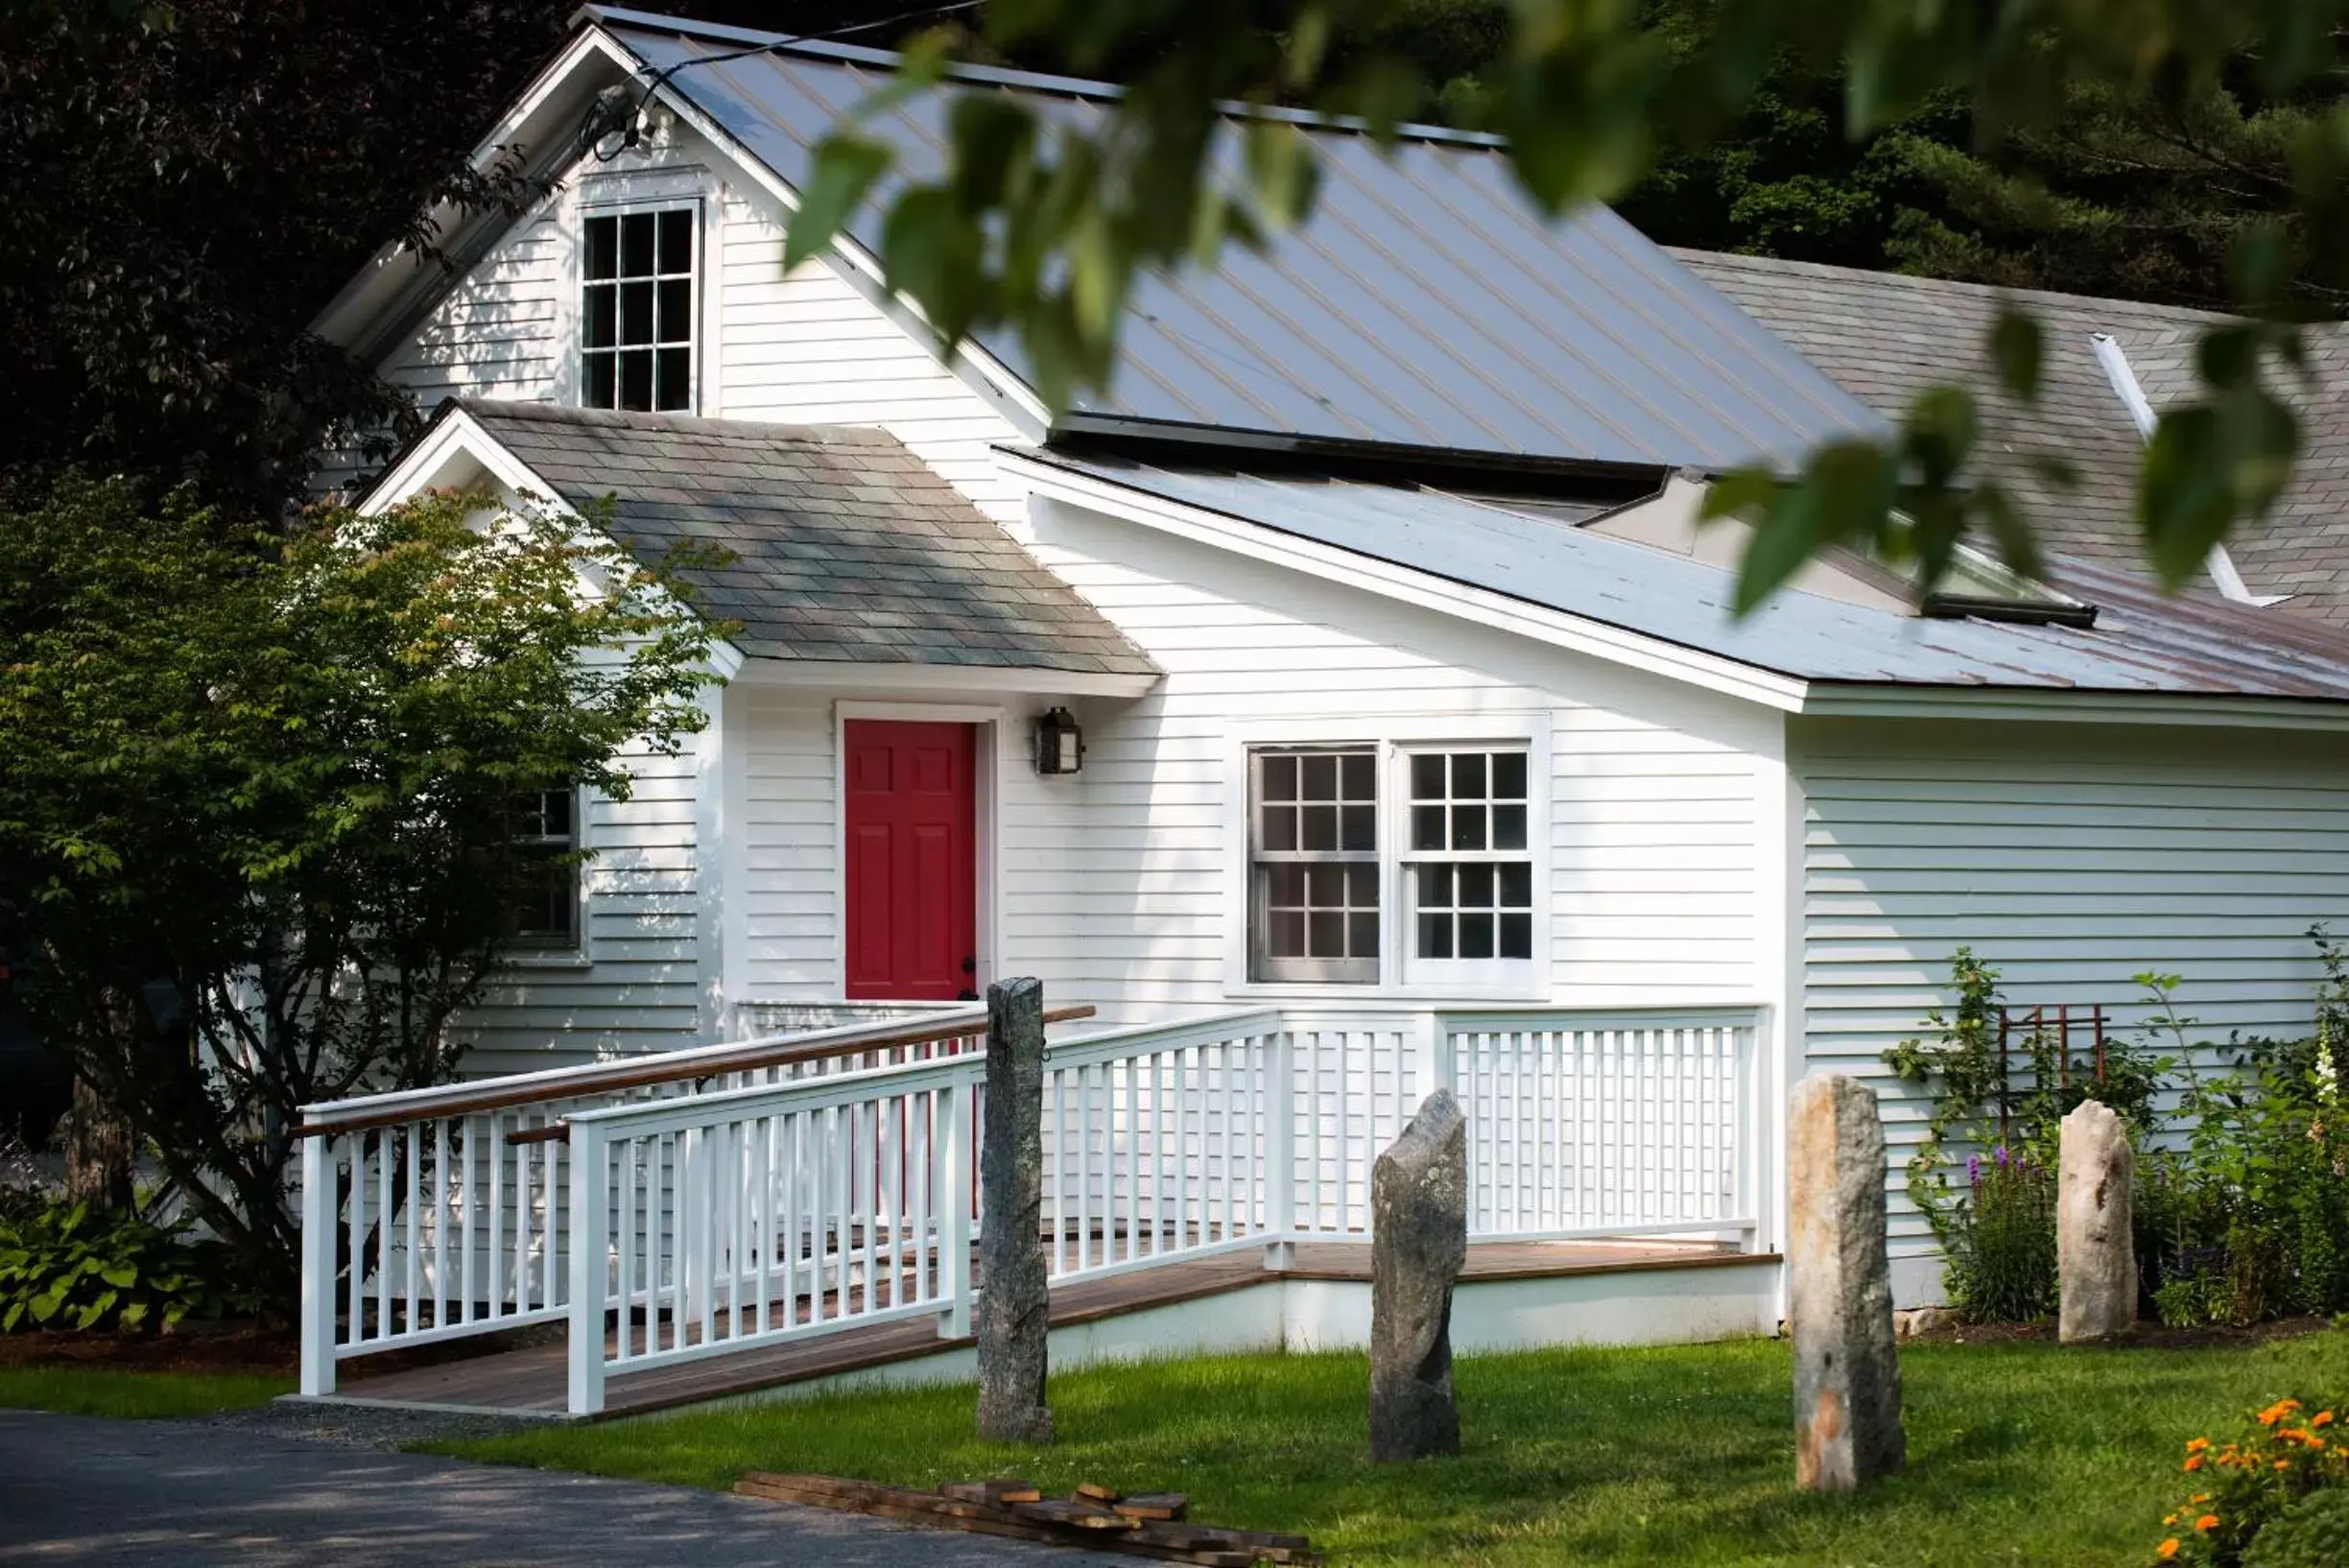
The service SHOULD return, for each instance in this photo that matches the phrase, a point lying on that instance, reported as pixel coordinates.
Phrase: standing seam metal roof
(1426, 303)
(2142, 641)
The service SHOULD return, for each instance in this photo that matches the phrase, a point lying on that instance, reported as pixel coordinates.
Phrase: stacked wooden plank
(1097, 1518)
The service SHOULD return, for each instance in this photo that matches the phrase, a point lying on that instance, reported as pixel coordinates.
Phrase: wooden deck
(531, 1380)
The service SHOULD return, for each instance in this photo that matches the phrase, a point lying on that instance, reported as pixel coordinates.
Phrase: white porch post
(954, 1209)
(1280, 1154)
(589, 1212)
(317, 1267)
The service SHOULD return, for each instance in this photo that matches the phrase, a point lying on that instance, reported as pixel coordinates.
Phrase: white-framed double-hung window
(1395, 862)
(638, 302)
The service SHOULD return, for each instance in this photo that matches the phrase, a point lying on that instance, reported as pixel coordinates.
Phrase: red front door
(912, 864)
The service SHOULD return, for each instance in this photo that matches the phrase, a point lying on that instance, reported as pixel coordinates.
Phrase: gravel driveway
(80, 1490)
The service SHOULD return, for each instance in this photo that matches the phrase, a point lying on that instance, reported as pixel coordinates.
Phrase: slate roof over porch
(847, 547)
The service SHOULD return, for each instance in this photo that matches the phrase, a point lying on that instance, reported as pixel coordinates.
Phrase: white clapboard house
(1340, 704)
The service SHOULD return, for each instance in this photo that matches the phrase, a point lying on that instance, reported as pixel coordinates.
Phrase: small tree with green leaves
(257, 816)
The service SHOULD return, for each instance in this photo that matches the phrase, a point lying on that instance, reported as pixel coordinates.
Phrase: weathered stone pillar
(1847, 1395)
(2096, 1248)
(1014, 1316)
(1418, 1241)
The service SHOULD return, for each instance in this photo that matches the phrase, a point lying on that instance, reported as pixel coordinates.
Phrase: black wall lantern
(1059, 744)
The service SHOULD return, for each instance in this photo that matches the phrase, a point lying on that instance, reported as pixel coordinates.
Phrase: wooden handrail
(655, 1072)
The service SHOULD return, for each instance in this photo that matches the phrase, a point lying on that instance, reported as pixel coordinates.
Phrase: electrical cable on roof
(607, 117)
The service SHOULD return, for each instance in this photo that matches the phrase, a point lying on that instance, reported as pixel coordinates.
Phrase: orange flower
(2277, 1412)
(2323, 1417)
(2193, 1463)
(2283, 1464)
(2199, 1497)
(2197, 1445)
(2207, 1523)
(2167, 1548)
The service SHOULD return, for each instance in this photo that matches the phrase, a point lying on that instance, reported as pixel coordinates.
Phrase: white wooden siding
(638, 992)
(1656, 835)
(2069, 858)
(497, 332)
(811, 348)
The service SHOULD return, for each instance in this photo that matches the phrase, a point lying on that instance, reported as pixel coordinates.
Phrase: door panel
(912, 868)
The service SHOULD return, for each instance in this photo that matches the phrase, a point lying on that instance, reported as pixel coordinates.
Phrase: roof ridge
(758, 430)
(1002, 76)
(1826, 268)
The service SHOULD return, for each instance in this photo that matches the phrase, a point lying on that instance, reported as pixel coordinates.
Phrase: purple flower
(1974, 1169)
(2003, 1158)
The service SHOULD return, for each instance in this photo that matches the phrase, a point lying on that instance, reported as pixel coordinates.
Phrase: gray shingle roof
(846, 546)
(1886, 337)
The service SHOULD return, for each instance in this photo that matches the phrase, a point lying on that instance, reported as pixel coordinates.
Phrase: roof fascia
(858, 678)
(2032, 704)
(369, 308)
(1409, 585)
(457, 433)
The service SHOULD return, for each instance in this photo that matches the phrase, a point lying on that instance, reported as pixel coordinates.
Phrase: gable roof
(2143, 642)
(1425, 304)
(846, 547)
(1886, 337)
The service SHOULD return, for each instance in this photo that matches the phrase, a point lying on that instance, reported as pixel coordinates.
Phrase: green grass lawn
(87, 1391)
(2018, 1452)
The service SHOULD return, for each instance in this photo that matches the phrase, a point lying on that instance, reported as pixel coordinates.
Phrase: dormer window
(636, 348)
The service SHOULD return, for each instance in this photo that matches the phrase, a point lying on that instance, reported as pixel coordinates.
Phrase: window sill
(543, 958)
(1378, 997)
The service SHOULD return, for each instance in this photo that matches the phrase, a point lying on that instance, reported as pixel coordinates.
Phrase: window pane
(1508, 827)
(554, 807)
(603, 247)
(1319, 829)
(1360, 780)
(635, 312)
(1435, 935)
(1516, 936)
(1280, 778)
(1428, 777)
(1280, 827)
(677, 241)
(1284, 884)
(603, 317)
(636, 245)
(1508, 775)
(599, 389)
(1287, 937)
(1362, 886)
(675, 314)
(1435, 886)
(1325, 935)
(1517, 886)
(636, 379)
(673, 388)
(1427, 827)
(1326, 886)
(1476, 936)
(1476, 886)
(1362, 932)
(1319, 775)
(1358, 827)
(1469, 827)
(1468, 776)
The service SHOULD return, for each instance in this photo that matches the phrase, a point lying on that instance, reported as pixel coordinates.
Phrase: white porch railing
(770, 1208)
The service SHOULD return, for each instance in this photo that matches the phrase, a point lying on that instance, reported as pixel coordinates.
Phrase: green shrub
(2002, 1264)
(64, 1267)
(2314, 1532)
(2241, 1490)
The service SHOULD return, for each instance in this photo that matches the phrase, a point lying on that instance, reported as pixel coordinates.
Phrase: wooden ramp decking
(531, 1380)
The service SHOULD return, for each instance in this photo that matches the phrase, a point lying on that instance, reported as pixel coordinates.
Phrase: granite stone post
(2096, 1248)
(1847, 1394)
(1418, 1241)
(1013, 1317)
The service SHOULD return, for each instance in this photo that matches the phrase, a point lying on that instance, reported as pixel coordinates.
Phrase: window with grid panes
(636, 346)
(1314, 864)
(1469, 865)
(546, 912)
